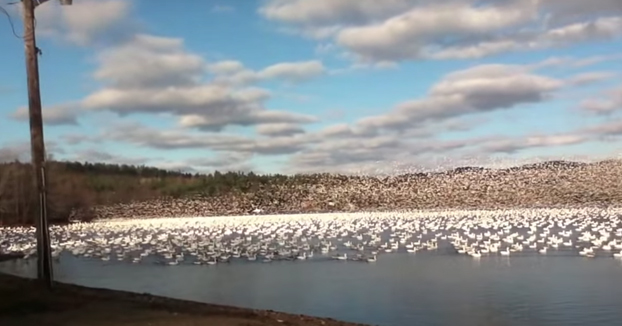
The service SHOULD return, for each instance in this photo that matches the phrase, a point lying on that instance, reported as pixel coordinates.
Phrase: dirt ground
(25, 302)
(7, 257)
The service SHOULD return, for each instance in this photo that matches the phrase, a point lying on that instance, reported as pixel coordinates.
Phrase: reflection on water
(399, 289)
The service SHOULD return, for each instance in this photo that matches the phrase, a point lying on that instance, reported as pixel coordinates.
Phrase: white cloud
(150, 74)
(610, 101)
(86, 22)
(329, 12)
(533, 141)
(99, 156)
(482, 88)
(258, 117)
(604, 28)
(596, 59)
(226, 67)
(591, 77)
(400, 30)
(229, 160)
(611, 128)
(279, 129)
(405, 36)
(601, 29)
(209, 107)
(63, 114)
(234, 73)
(293, 72)
(569, 62)
(561, 12)
(147, 62)
(141, 135)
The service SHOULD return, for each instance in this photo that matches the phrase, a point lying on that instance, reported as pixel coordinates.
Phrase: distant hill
(75, 186)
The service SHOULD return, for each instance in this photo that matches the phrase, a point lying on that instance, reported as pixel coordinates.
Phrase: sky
(304, 86)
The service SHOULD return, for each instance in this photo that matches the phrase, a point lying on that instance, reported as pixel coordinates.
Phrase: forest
(76, 186)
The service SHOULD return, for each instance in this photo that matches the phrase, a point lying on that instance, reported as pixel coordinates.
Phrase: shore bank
(10, 256)
(25, 302)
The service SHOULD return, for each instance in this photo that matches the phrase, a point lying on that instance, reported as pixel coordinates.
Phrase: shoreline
(380, 210)
(25, 301)
(10, 256)
(367, 211)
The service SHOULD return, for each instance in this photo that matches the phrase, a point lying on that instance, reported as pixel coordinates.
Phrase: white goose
(341, 257)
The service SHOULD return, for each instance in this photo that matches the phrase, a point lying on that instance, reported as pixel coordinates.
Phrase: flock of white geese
(588, 232)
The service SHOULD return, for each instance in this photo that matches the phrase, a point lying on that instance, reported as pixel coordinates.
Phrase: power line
(6, 13)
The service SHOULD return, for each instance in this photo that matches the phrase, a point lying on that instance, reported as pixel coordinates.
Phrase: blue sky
(286, 86)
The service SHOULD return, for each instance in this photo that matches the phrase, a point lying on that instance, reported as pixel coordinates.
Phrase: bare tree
(5, 201)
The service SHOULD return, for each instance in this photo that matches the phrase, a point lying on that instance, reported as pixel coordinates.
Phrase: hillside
(105, 190)
(81, 186)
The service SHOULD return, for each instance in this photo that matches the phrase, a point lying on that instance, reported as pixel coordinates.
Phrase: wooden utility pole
(37, 144)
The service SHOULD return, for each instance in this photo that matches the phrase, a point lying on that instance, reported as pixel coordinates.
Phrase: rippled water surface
(428, 288)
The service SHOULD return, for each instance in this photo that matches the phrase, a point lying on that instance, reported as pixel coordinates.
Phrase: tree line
(77, 186)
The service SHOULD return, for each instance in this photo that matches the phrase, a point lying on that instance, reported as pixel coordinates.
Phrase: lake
(563, 268)
(428, 288)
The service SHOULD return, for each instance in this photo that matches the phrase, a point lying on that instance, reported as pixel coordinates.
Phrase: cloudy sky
(291, 86)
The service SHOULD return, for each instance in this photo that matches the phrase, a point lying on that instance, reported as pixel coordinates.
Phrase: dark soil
(25, 302)
(7, 257)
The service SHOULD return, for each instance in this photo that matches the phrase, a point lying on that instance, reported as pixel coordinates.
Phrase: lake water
(428, 288)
